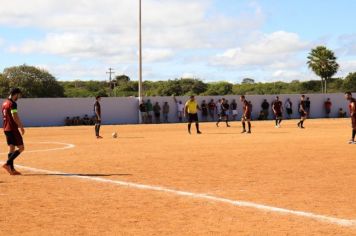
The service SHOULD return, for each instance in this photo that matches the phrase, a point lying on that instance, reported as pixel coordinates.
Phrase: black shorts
(289, 111)
(278, 115)
(14, 138)
(303, 114)
(193, 118)
(246, 117)
(97, 120)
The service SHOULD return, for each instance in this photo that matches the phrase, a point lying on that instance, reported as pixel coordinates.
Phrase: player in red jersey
(352, 106)
(277, 108)
(12, 123)
(246, 116)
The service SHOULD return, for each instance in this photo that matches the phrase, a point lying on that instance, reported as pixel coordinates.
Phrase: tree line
(37, 83)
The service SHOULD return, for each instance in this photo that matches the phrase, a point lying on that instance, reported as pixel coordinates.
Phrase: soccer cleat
(228, 126)
(198, 132)
(352, 142)
(15, 172)
(8, 169)
(243, 131)
(99, 137)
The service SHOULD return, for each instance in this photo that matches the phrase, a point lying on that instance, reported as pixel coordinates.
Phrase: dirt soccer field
(158, 180)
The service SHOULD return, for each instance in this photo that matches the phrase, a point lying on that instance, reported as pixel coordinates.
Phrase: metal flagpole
(140, 58)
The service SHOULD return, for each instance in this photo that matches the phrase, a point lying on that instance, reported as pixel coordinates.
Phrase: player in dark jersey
(352, 106)
(97, 112)
(302, 111)
(12, 123)
(246, 116)
(277, 108)
(224, 107)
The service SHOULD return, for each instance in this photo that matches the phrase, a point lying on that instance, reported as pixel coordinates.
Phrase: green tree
(33, 82)
(219, 88)
(349, 84)
(4, 86)
(322, 62)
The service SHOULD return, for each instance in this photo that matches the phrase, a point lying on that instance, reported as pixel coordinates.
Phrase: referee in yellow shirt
(191, 110)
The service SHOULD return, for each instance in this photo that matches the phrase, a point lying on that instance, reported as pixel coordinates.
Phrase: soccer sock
(276, 122)
(197, 126)
(301, 123)
(249, 126)
(99, 130)
(279, 121)
(12, 157)
(353, 134)
(227, 123)
(189, 126)
(244, 126)
(9, 161)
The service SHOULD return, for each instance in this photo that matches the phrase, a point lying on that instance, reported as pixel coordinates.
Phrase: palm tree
(322, 62)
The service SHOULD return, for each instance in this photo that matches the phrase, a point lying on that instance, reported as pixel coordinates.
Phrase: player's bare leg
(243, 126)
(197, 127)
(352, 141)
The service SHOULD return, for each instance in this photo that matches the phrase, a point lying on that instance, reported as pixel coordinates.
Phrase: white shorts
(234, 112)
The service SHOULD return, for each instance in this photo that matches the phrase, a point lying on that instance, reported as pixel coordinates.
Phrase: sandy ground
(311, 170)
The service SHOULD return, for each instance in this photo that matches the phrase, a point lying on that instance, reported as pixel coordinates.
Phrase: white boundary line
(310, 215)
(261, 207)
(66, 146)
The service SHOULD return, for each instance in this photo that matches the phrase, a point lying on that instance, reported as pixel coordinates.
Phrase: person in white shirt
(180, 109)
(218, 107)
(288, 106)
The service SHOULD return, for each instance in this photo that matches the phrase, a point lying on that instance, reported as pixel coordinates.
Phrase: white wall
(52, 111)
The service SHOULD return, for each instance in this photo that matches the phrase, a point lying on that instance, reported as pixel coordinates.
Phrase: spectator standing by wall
(149, 111)
(289, 108)
(233, 107)
(265, 108)
(180, 109)
(157, 113)
(212, 108)
(165, 111)
(143, 111)
(204, 111)
(327, 106)
(218, 107)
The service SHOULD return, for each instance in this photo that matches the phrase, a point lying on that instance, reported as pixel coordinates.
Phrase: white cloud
(267, 50)
(346, 67)
(107, 29)
(348, 44)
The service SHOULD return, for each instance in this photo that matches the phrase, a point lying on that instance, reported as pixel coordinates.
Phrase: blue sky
(267, 40)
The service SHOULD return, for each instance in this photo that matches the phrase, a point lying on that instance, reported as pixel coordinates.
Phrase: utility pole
(140, 53)
(140, 58)
(110, 72)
